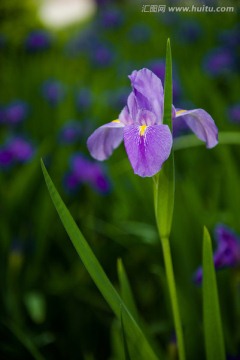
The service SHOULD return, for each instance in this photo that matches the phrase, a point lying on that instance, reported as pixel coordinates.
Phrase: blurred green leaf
(141, 346)
(214, 341)
(126, 292)
(36, 306)
(187, 141)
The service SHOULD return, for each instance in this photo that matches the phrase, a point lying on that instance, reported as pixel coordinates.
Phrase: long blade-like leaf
(164, 181)
(125, 345)
(211, 312)
(126, 292)
(141, 346)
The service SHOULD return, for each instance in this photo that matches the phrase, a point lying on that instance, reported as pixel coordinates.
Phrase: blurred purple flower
(234, 113)
(38, 40)
(189, 31)
(111, 18)
(219, 61)
(230, 37)
(227, 253)
(70, 132)
(83, 99)
(82, 42)
(21, 149)
(16, 150)
(102, 55)
(53, 91)
(147, 140)
(82, 170)
(140, 33)
(71, 182)
(16, 112)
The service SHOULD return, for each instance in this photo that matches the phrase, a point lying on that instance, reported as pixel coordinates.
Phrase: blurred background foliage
(57, 86)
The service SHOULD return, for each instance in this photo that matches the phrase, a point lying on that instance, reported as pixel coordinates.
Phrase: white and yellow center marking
(116, 121)
(142, 129)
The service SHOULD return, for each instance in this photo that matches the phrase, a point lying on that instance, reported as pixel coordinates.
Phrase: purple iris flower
(70, 132)
(234, 113)
(16, 112)
(38, 40)
(53, 91)
(147, 140)
(227, 253)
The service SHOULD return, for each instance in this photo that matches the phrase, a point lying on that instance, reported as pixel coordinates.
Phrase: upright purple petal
(147, 147)
(105, 139)
(148, 90)
(201, 123)
(132, 105)
(125, 116)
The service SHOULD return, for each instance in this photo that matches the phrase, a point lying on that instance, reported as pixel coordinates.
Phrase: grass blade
(141, 346)
(214, 341)
(125, 345)
(126, 292)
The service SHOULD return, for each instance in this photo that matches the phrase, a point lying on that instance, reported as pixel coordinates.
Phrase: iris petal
(148, 90)
(202, 124)
(105, 139)
(147, 148)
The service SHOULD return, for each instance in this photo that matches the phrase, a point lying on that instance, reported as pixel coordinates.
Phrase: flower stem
(173, 295)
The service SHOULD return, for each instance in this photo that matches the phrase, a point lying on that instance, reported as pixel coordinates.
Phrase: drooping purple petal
(105, 139)
(147, 147)
(201, 123)
(148, 90)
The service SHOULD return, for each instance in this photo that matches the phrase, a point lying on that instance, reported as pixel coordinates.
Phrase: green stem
(173, 295)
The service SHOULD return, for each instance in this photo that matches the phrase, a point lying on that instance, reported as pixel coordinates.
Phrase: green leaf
(142, 349)
(164, 181)
(126, 291)
(125, 345)
(213, 333)
(167, 114)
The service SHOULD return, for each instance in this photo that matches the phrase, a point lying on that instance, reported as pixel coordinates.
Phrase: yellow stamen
(143, 129)
(180, 112)
(116, 121)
